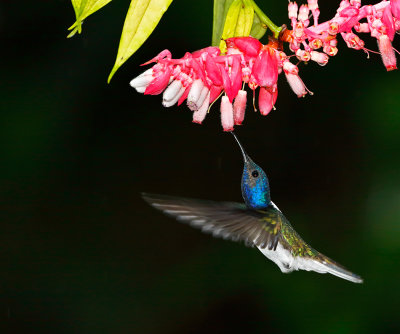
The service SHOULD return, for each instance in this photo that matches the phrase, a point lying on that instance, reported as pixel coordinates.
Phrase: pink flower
(387, 52)
(266, 99)
(239, 107)
(205, 75)
(265, 68)
(226, 114)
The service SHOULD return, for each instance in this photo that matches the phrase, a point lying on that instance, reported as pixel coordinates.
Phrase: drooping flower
(201, 77)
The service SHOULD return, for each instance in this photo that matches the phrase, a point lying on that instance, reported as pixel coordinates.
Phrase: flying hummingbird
(258, 223)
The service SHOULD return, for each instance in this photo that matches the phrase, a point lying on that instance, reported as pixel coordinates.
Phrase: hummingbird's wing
(267, 229)
(228, 220)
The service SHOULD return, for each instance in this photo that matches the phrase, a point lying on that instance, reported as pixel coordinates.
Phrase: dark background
(81, 252)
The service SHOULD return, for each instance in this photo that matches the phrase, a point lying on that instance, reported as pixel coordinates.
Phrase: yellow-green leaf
(245, 20)
(84, 8)
(221, 8)
(141, 19)
(238, 22)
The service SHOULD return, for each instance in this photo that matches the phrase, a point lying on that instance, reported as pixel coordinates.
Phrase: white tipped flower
(194, 94)
(200, 114)
(239, 107)
(172, 94)
(226, 114)
(296, 84)
(141, 82)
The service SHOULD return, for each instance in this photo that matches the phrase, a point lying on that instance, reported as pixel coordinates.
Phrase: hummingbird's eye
(254, 173)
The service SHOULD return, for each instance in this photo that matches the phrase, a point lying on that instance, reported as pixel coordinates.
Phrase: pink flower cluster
(203, 76)
(381, 21)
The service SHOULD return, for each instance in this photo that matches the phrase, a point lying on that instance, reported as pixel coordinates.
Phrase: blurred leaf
(258, 29)
(141, 19)
(238, 22)
(84, 8)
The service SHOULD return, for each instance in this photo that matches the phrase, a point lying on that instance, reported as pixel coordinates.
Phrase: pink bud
(226, 114)
(312, 4)
(292, 8)
(355, 3)
(387, 52)
(296, 84)
(303, 55)
(304, 12)
(319, 57)
(266, 100)
(239, 107)
(395, 8)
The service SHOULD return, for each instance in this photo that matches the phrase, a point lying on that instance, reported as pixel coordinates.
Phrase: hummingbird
(257, 222)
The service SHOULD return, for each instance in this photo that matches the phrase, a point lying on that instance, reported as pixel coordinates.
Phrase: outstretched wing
(228, 220)
(267, 229)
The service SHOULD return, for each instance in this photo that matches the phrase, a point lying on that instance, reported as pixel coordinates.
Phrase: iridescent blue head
(255, 186)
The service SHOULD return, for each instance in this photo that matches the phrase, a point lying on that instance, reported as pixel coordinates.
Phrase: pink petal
(184, 95)
(214, 93)
(387, 52)
(226, 114)
(239, 107)
(265, 68)
(211, 50)
(163, 54)
(213, 72)
(236, 77)
(387, 20)
(226, 82)
(265, 101)
(159, 83)
(249, 46)
(395, 8)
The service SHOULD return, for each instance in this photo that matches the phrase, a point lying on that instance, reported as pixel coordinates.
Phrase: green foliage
(231, 18)
(258, 29)
(84, 8)
(141, 19)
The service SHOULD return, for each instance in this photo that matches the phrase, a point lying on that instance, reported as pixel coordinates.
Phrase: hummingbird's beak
(245, 156)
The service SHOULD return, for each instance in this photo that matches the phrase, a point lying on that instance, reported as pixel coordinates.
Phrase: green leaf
(258, 29)
(221, 8)
(141, 19)
(84, 8)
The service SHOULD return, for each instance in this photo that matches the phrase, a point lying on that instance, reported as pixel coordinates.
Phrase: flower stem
(266, 20)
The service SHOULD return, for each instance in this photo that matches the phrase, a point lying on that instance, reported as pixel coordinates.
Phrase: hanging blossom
(203, 76)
